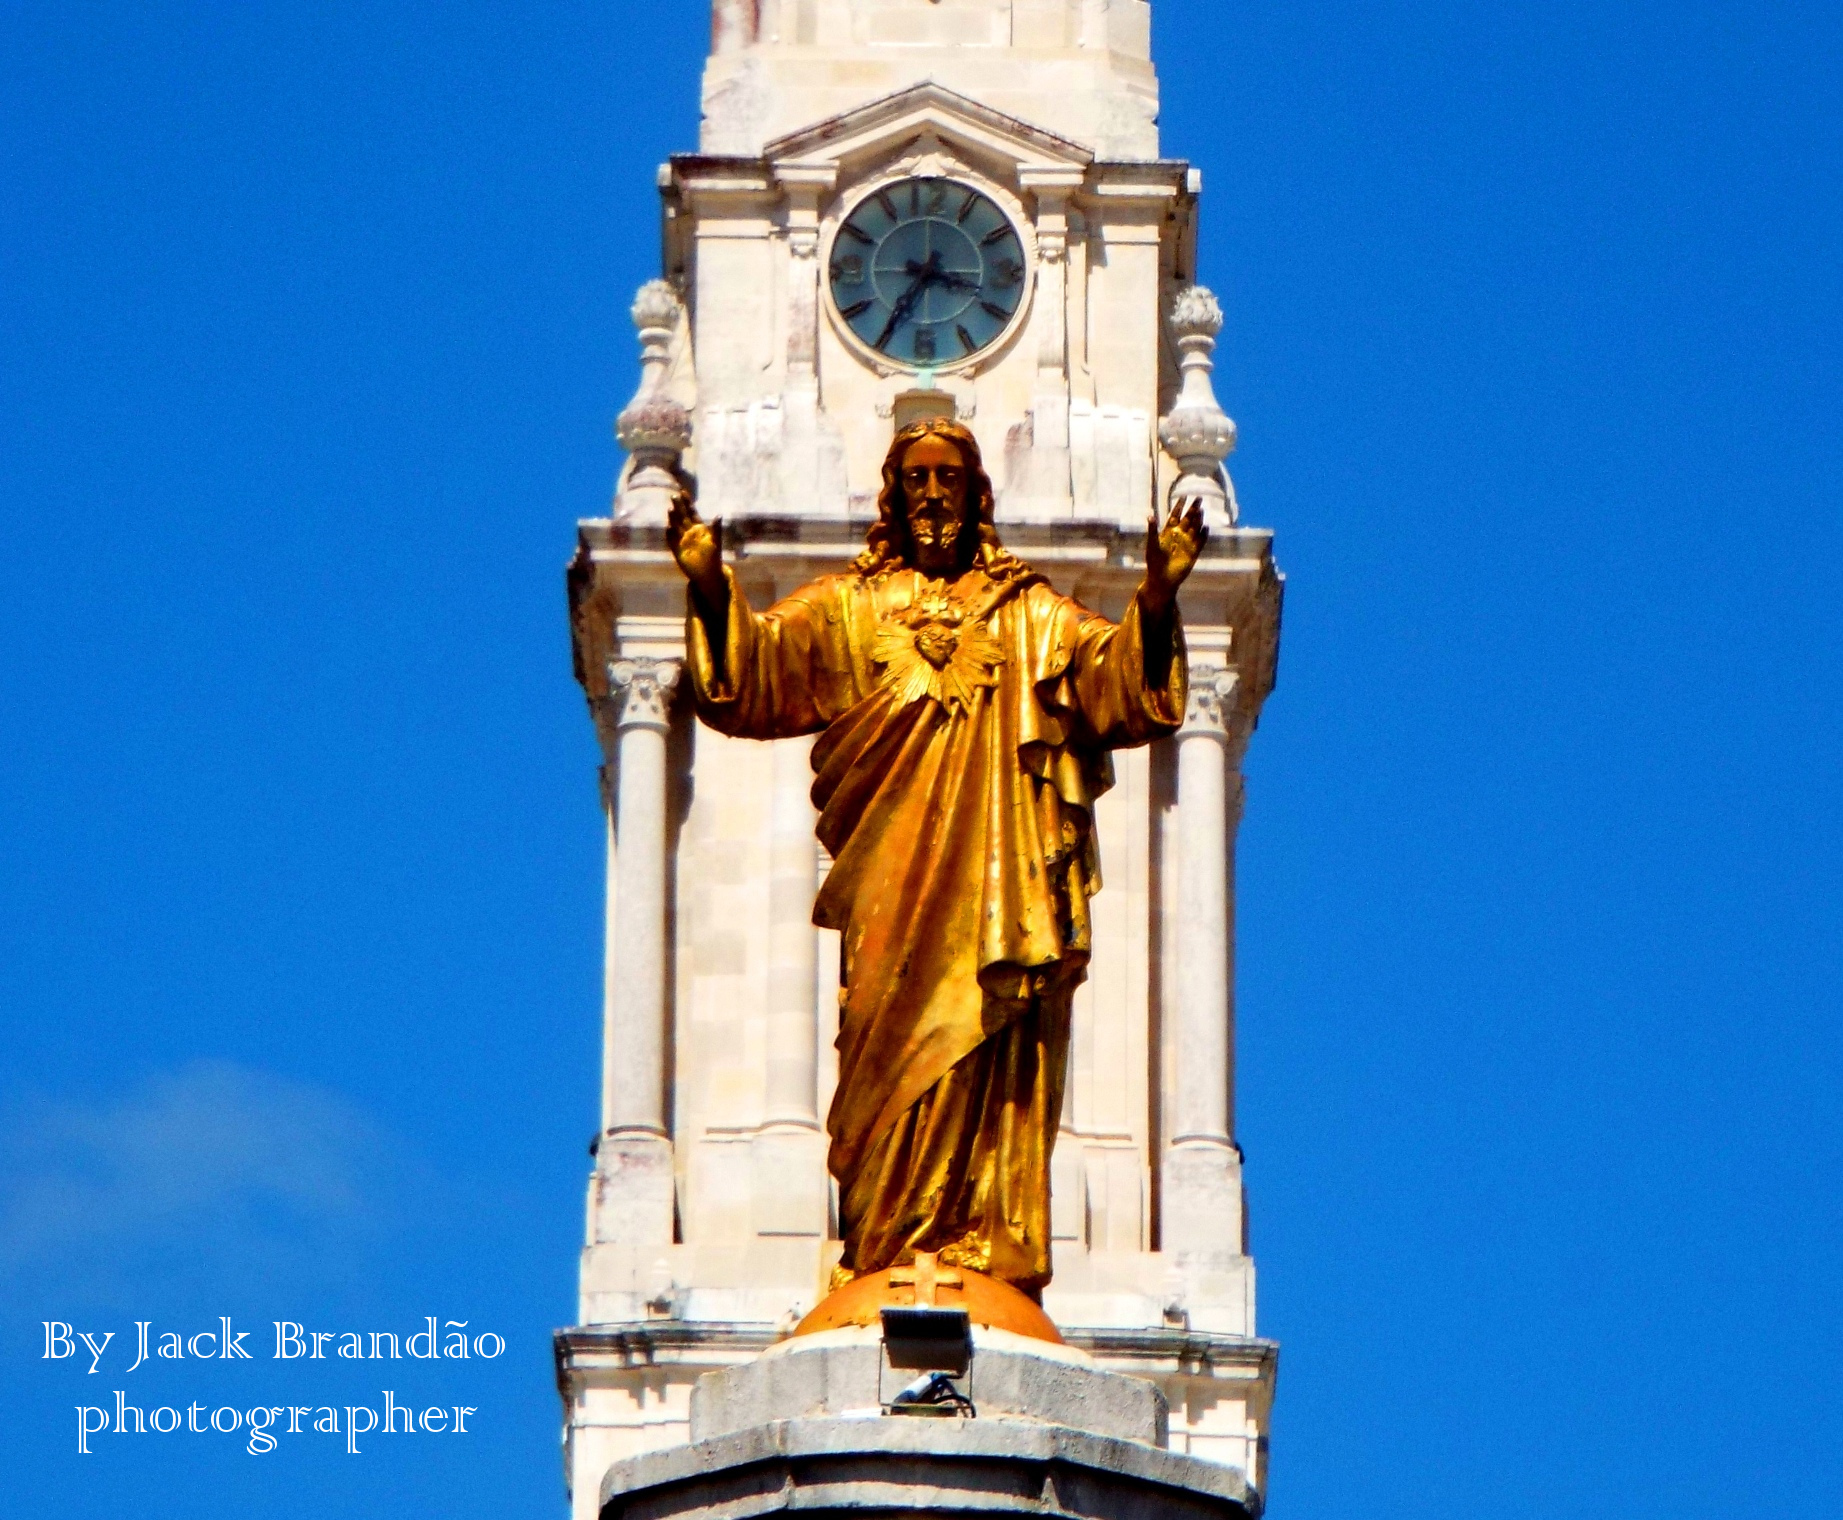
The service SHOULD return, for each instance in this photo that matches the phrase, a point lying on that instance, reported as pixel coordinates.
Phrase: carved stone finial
(656, 306)
(1197, 432)
(1195, 309)
(654, 428)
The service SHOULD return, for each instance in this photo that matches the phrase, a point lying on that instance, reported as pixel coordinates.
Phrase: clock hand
(939, 275)
(955, 281)
(902, 310)
(905, 307)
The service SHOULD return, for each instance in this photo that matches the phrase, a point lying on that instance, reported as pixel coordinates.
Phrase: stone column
(1202, 1165)
(789, 1185)
(793, 1056)
(634, 1191)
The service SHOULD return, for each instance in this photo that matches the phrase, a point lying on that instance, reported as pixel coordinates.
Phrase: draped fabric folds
(964, 737)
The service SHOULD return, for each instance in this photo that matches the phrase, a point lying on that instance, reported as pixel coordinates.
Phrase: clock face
(927, 272)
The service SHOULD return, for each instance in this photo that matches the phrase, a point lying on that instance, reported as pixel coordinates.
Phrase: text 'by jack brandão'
(259, 1427)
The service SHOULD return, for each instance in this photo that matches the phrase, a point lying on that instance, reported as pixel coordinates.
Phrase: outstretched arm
(770, 675)
(1170, 555)
(1127, 680)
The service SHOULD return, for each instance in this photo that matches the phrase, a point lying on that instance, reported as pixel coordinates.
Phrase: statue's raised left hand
(1171, 554)
(698, 548)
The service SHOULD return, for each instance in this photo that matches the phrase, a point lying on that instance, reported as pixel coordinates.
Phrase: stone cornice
(1158, 183)
(585, 1349)
(626, 592)
(1196, 1351)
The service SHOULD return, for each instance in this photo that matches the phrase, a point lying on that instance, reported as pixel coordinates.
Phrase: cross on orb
(926, 1276)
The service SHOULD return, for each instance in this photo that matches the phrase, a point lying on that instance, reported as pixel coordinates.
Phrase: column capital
(640, 693)
(1213, 711)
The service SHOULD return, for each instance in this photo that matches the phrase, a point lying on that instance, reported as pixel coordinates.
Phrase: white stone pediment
(931, 119)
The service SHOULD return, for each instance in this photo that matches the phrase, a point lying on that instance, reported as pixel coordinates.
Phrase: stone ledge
(1101, 539)
(841, 1373)
(964, 1467)
(1237, 1356)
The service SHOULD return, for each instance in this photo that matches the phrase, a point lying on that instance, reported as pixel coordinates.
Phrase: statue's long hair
(887, 546)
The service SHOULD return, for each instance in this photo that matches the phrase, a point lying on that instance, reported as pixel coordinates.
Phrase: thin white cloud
(212, 1167)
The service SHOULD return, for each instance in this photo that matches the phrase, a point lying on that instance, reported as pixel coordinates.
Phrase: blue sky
(312, 325)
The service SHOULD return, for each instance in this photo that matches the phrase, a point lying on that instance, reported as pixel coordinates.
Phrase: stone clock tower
(902, 208)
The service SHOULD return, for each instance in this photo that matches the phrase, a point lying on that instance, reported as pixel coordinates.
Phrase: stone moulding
(1189, 1350)
(643, 1345)
(920, 1467)
(639, 1345)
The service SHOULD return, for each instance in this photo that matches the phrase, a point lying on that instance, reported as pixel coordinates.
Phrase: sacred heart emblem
(936, 644)
(933, 649)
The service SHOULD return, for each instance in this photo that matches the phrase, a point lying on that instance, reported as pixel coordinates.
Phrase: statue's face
(934, 496)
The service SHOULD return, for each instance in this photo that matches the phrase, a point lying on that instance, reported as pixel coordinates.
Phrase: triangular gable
(925, 109)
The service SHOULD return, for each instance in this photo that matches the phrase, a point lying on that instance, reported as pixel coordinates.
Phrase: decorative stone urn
(1197, 433)
(655, 429)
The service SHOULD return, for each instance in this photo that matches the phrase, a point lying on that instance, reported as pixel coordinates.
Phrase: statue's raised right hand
(698, 548)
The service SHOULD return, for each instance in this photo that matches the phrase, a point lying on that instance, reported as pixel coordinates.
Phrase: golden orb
(987, 1301)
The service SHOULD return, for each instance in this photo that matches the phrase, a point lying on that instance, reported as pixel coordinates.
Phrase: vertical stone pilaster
(1052, 283)
(1201, 1189)
(789, 1192)
(803, 188)
(793, 1056)
(1039, 485)
(812, 462)
(632, 1201)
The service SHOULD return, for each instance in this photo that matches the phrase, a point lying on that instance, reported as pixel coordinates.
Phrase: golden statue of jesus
(965, 711)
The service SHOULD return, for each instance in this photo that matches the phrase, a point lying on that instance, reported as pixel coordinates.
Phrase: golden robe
(964, 738)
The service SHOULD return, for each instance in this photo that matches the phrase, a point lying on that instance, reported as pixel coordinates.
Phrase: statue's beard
(936, 535)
